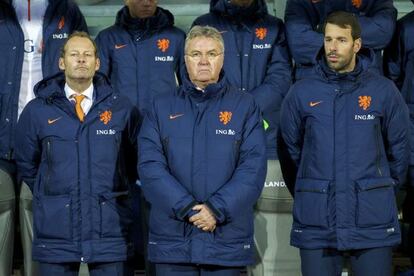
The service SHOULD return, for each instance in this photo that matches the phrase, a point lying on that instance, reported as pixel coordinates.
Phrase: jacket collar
(52, 88)
(211, 91)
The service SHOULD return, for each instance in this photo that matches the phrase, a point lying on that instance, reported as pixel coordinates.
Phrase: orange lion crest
(225, 117)
(364, 102)
(163, 44)
(61, 23)
(261, 33)
(357, 3)
(106, 116)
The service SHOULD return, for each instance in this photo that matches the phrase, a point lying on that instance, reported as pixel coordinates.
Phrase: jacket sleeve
(304, 41)
(378, 24)
(396, 129)
(27, 147)
(77, 19)
(395, 56)
(270, 94)
(290, 140)
(105, 54)
(160, 187)
(246, 184)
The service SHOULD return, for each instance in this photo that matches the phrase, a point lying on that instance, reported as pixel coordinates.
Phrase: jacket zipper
(378, 159)
(236, 152)
(307, 155)
(49, 165)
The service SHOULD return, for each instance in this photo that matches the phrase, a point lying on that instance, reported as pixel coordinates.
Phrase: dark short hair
(345, 20)
(78, 34)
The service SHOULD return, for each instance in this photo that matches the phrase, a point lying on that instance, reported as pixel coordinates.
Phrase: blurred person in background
(142, 54)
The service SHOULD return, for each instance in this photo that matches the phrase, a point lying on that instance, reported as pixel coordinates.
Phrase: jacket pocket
(375, 202)
(52, 217)
(311, 202)
(115, 214)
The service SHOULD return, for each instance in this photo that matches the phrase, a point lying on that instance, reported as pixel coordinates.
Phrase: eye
(212, 55)
(343, 40)
(196, 55)
(327, 39)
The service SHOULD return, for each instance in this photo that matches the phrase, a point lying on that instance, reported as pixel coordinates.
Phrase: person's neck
(79, 86)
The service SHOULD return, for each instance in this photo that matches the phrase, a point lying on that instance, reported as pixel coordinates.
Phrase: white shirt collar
(69, 92)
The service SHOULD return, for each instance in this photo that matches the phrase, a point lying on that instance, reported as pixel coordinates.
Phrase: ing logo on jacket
(364, 102)
(357, 3)
(225, 117)
(261, 33)
(163, 44)
(106, 116)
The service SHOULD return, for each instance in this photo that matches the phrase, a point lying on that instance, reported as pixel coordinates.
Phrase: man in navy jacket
(346, 134)
(76, 149)
(399, 67)
(142, 52)
(202, 164)
(32, 34)
(256, 57)
(304, 20)
(257, 61)
(142, 55)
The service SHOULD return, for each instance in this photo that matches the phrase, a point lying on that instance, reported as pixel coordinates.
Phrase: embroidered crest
(106, 116)
(163, 44)
(61, 23)
(225, 117)
(261, 33)
(357, 3)
(364, 102)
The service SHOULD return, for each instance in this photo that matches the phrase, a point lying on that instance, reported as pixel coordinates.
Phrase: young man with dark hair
(345, 147)
(304, 21)
(76, 150)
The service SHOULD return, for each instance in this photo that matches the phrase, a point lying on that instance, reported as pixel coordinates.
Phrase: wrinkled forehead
(204, 44)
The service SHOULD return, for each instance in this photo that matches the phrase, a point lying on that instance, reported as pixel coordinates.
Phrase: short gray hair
(204, 31)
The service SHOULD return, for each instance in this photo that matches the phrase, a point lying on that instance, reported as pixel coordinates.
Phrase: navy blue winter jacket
(79, 173)
(256, 58)
(142, 57)
(62, 17)
(207, 148)
(399, 67)
(304, 21)
(347, 135)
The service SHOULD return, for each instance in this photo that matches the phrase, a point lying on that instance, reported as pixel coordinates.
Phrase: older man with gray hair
(202, 163)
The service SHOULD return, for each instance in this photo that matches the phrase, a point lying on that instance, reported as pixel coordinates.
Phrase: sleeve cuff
(219, 215)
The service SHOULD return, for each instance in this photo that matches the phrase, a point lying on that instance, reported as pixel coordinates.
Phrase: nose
(204, 59)
(333, 46)
(81, 59)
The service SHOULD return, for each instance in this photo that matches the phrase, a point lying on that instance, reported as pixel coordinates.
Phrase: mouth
(333, 58)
